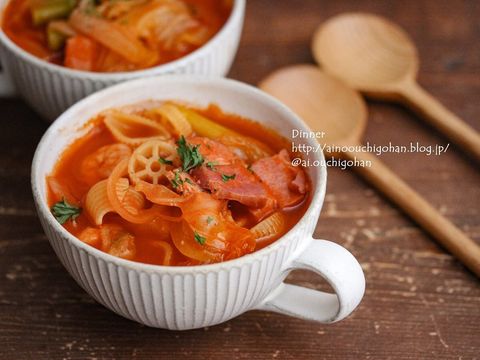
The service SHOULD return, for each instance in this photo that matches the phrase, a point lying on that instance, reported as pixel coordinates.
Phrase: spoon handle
(446, 233)
(440, 117)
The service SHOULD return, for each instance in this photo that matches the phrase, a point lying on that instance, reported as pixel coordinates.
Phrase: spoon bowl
(329, 106)
(377, 57)
(322, 101)
(366, 51)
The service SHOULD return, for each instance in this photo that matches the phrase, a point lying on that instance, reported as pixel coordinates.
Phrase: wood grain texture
(420, 303)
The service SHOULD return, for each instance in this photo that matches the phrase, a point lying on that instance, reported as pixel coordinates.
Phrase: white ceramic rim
(318, 194)
(235, 16)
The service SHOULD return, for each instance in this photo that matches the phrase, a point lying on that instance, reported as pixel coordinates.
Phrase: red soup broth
(67, 181)
(18, 25)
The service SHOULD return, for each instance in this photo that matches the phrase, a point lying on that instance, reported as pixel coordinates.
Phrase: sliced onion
(114, 37)
(159, 194)
(183, 238)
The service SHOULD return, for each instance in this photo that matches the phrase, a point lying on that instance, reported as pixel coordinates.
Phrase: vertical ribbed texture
(178, 300)
(50, 92)
(165, 297)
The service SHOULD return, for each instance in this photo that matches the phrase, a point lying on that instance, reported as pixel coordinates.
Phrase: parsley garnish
(211, 165)
(190, 156)
(64, 211)
(162, 160)
(176, 181)
(199, 238)
(226, 178)
(209, 220)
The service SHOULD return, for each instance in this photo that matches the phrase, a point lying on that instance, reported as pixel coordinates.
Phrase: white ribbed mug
(180, 298)
(50, 89)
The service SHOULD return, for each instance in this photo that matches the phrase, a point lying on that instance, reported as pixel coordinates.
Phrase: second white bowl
(50, 89)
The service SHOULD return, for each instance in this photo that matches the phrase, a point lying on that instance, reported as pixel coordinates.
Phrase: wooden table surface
(420, 303)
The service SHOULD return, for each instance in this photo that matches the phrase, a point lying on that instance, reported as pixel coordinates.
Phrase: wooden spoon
(327, 105)
(378, 58)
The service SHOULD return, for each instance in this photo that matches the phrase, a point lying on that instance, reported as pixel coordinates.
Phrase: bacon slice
(244, 187)
(214, 152)
(286, 183)
(226, 175)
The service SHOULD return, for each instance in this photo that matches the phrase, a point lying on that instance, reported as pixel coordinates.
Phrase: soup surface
(168, 184)
(113, 35)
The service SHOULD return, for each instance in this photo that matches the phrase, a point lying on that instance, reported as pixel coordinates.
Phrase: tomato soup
(165, 183)
(113, 35)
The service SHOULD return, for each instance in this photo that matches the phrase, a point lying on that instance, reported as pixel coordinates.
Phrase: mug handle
(336, 265)
(7, 88)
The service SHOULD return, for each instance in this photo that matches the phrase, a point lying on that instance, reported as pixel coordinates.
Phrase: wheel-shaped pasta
(175, 119)
(134, 129)
(151, 161)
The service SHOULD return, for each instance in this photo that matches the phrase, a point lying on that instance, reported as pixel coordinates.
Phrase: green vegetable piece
(199, 238)
(204, 126)
(226, 178)
(63, 211)
(44, 11)
(165, 161)
(211, 165)
(55, 40)
(190, 156)
(176, 181)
